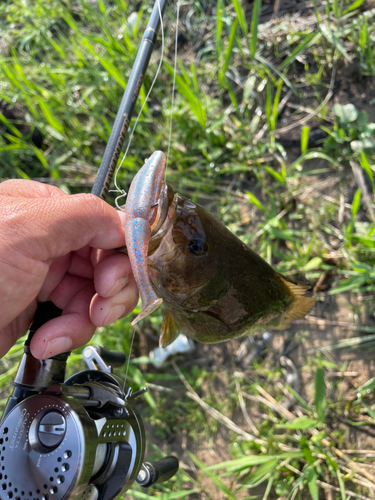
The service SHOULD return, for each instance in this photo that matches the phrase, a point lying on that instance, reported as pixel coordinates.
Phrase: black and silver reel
(82, 438)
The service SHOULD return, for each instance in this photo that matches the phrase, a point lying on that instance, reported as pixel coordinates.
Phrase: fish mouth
(159, 229)
(169, 257)
(164, 201)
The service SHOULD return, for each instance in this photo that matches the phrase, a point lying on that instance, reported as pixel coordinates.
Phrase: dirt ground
(331, 320)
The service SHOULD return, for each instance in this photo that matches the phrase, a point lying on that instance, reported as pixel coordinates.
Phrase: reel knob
(157, 472)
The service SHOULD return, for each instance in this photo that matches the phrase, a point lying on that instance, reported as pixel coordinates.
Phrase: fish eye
(198, 246)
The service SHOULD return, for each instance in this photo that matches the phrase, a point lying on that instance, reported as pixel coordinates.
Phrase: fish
(213, 286)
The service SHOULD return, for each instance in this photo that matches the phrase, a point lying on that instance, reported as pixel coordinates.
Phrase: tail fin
(301, 304)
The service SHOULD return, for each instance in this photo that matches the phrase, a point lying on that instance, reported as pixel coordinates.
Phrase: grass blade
(299, 49)
(356, 202)
(262, 472)
(304, 138)
(11, 127)
(229, 50)
(219, 43)
(353, 6)
(276, 104)
(301, 423)
(49, 116)
(275, 174)
(331, 37)
(312, 484)
(242, 463)
(268, 488)
(268, 105)
(296, 396)
(353, 342)
(366, 166)
(194, 102)
(8, 375)
(355, 207)
(254, 26)
(162, 496)
(213, 478)
(240, 15)
(106, 63)
(254, 200)
(219, 25)
(138, 377)
(12, 76)
(276, 71)
(313, 154)
(41, 157)
(341, 484)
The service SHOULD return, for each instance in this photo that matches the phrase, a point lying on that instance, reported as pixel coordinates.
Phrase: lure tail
(141, 216)
(138, 233)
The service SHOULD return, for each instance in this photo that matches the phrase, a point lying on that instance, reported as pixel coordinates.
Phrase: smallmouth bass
(213, 286)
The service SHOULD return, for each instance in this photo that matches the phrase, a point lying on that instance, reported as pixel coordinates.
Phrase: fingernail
(58, 346)
(115, 313)
(118, 286)
(121, 282)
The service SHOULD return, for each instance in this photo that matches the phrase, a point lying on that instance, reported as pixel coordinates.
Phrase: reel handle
(113, 358)
(157, 472)
(98, 358)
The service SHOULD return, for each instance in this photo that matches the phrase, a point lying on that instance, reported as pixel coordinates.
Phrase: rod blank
(125, 112)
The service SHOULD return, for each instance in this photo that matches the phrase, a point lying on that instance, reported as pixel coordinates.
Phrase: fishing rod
(125, 112)
(82, 437)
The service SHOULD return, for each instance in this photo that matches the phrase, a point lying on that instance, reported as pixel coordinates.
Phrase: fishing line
(122, 192)
(128, 360)
(118, 189)
(173, 87)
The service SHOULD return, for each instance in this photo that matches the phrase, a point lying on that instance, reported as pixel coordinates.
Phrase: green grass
(244, 89)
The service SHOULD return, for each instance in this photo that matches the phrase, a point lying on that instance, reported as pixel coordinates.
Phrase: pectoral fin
(169, 330)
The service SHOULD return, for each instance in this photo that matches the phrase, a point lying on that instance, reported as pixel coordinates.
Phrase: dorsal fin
(301, 304)
(295, 287)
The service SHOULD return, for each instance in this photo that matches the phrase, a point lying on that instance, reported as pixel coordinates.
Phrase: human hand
(49, 250)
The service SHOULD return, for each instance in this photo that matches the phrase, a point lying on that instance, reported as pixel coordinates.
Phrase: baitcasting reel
(82, 438)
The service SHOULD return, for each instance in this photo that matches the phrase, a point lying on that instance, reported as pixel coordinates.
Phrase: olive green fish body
(214, 287)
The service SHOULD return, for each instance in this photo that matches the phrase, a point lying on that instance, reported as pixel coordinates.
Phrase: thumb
(43, 228)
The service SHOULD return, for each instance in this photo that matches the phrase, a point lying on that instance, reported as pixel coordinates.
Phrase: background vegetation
(273, 131)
